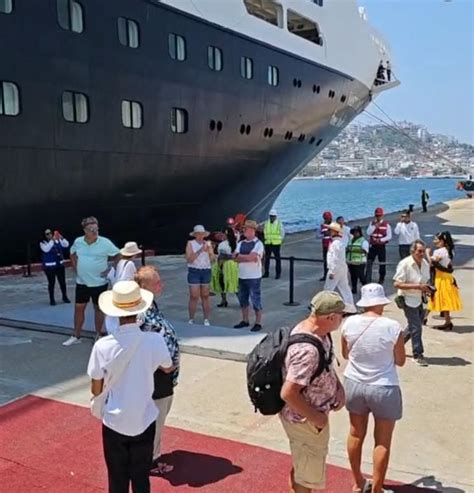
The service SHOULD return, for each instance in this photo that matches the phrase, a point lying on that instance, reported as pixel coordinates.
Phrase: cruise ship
(155, 115)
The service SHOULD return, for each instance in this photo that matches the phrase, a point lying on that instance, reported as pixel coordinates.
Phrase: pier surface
(41, 382)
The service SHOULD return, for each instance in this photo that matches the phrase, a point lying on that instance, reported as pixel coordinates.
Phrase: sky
(432, 42)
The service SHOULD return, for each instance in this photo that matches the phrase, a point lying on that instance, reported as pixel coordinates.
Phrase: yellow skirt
(446, 298)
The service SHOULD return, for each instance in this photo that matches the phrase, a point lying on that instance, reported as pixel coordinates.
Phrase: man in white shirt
(249, 255)
(411, 280)
(338, 274)
(346, 231)
(407, 232)
(128, 359)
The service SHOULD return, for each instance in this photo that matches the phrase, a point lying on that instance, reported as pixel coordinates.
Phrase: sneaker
(52, 303)
(191, 321)
(66, 300)
(241, 325)
(420, 361)
(278, 276)
(322, 279)
(265, 275)
(71, 341)
(256, 328)
(206, 322)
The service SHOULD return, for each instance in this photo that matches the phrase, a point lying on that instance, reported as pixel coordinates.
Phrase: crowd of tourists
(134, 365)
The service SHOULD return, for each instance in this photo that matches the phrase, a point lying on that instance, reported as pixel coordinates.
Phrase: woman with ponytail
(446, 298)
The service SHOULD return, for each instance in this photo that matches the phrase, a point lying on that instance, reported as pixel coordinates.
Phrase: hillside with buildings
(377, 150)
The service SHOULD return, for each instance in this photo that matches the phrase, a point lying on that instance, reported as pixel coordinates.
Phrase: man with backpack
(310, 394)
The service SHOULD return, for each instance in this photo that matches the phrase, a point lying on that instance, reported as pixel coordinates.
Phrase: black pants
(404, 251)
(325, 261)
(357, 273)
(275, 249)
(379, 252)
(424, 205)
(52, 273)
(128, 459)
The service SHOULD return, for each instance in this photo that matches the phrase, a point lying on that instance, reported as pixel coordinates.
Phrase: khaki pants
(164, 406)
(309, 448)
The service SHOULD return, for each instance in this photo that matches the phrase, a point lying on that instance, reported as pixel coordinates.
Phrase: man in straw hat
(89, 258)
(308, 398)
(129, 358)
(249, 255)
(338, 274)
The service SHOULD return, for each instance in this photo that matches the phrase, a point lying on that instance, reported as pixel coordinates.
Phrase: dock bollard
(291, 301)
(143, 254)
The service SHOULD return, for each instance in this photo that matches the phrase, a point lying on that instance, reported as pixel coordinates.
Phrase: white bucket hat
(372, 294)
(130, 249)
(199, 228)
(125, 299)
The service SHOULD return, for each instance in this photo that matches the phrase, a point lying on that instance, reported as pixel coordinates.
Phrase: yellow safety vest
(272, 232)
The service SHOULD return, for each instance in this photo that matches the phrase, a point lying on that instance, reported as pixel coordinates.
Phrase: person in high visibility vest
(356, 257)
(379, 233)
(274, 233)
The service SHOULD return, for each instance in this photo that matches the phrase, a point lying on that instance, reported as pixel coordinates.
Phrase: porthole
(318, 89)
(343, 98)
(212, 125)
(311, 140)
(299, 83)
(301, 137)
(318, 143)
(219, 126)
(242, 129)
(270, 133)
(248, 128)
(265, 132)
(295, 82)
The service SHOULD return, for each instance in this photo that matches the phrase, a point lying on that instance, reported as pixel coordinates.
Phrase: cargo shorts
(309, 449)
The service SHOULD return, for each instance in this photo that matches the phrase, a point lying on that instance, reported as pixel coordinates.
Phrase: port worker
(326, 239)
(337, 267)
(52, 258)
(89, 258)
(407, 232)
(274, 234)
(356, 257)
(346, 231)
(249, 255)
(128, 360)
(379, 233)
(424, 200)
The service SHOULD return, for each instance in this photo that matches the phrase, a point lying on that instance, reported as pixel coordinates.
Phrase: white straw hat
(125, 299)
(199, 228)
(372, 294)
(130, 249)
(335, 227)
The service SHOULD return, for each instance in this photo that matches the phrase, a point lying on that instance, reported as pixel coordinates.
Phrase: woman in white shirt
(446, 298)
(199, 255)
(374, 346)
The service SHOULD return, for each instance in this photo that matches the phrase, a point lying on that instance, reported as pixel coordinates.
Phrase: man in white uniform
(407, 232)
(337, 267)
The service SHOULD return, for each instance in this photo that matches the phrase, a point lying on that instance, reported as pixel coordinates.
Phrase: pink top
(301, 362)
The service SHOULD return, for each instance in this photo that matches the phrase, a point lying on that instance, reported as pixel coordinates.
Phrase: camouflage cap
(327, 302)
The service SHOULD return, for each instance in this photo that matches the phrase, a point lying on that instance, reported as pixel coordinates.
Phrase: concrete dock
(433, 442)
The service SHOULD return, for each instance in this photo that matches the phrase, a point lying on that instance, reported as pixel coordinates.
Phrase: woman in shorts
(199, 255)
(374, 346)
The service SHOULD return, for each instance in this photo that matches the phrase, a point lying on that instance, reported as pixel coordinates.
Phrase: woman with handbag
(446, 298)
(374, 346)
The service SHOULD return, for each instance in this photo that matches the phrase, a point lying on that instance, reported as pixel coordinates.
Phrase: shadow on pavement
(197, 469)
(426, 484)
(453, 361)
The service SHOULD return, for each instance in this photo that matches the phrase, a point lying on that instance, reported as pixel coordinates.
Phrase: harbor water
(302, 202)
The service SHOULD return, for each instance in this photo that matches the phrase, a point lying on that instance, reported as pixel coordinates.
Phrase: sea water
(302, 202)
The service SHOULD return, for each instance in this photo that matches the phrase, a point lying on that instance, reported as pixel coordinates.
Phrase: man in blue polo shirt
(89, 257)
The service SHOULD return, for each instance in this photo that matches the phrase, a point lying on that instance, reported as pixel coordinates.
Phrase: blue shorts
(250, 289)
(199, 277)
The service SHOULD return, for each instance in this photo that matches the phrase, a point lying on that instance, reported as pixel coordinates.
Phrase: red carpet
(53, 447)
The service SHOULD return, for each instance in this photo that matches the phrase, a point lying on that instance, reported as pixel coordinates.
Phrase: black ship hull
(149, 184)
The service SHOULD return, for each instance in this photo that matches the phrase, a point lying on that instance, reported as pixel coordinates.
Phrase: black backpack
(265, 368)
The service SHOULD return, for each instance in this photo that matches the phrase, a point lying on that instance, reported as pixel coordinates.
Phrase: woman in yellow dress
(446, 298)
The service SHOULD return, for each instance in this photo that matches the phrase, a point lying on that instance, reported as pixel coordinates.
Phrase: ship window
(179, 120)
(128, 32)
(132, 114)
(70, 15)
(6, 7)
(177, 47)
(246, 67)
(318, 2)
(214, 58)
(75, 107)
(303, 27)
(266, 10)
(273, 75)
(9, 99)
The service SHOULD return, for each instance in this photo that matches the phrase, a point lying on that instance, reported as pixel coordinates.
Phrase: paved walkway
(433, 443)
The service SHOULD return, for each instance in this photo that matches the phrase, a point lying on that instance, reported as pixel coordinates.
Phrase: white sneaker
(191, 321)
(206, 322)
(71, 341)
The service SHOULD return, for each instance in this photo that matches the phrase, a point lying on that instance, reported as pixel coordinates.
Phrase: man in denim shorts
(249, 255)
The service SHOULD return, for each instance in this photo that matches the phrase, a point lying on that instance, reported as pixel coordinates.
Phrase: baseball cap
(327, 215)
(379, 211)
(327, 302)
(273, 212)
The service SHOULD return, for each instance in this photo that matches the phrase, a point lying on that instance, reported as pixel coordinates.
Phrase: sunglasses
(92, 229)
(48, 233)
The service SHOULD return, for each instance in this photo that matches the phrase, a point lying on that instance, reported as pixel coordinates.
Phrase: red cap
(379, 211)
(327, 215)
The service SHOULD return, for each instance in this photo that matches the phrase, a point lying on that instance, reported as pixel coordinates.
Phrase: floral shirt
(154, 321)
(301, 362)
